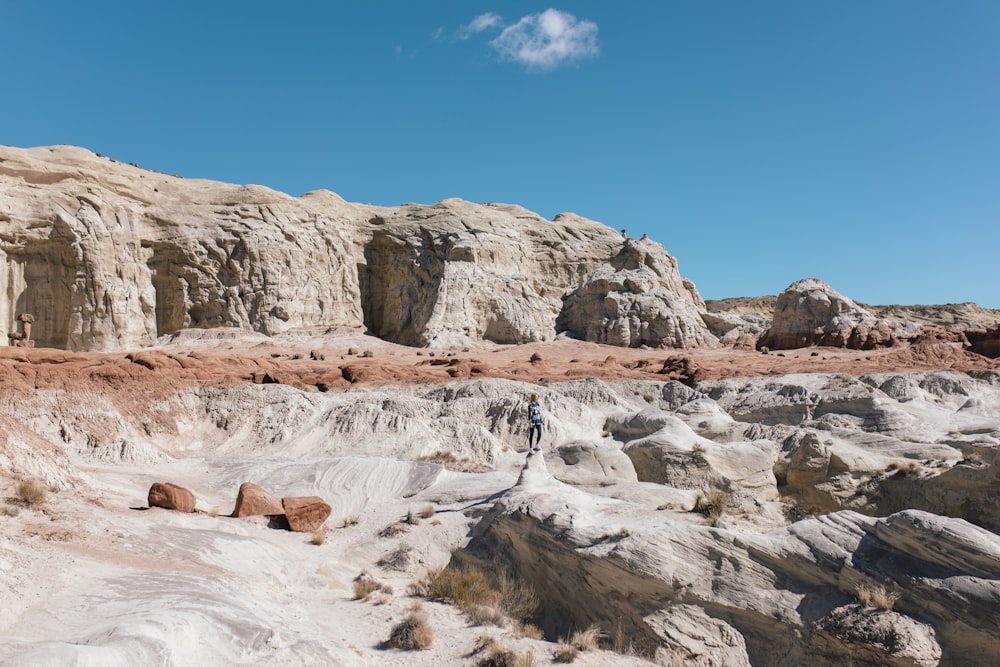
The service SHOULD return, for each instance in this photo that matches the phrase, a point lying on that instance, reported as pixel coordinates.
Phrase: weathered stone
(252, 500)
(810, 312)
(637, 298)
(305, 514)
(109, 256)
(170, 496)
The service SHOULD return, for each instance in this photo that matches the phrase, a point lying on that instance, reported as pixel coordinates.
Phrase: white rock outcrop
(810, 312)
(109, 256)
(637, 298)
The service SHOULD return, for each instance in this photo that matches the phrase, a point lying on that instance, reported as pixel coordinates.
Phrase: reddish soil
(329, 363)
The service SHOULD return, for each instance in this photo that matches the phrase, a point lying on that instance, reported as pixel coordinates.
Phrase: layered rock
(637, 298)
(810, 312)
(109, 256)
(709, 596)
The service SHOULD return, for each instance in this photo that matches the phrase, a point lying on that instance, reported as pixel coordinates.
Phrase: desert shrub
(507, 658)
(535, 358)
(517, 599)
(565, 653)
(412, 633)
(318, 538)
(463, 586)
(365, 585)
(527, 630)
(397, 559)
(352, 520)
(367, 354)
(31, 492)
(427, 512)
(11, 510)
(482, 614)
(392, 530)
(410, 519)
(712, 505)
(586, 640)
(876, 597)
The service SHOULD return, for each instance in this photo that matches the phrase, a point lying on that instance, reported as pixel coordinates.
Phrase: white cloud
(479, 24)
(546, 40)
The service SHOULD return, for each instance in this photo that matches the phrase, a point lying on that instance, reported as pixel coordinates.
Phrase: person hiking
(535, 422)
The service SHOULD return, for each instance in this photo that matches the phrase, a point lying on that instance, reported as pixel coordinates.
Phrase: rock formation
(252, 500)
(109, 256)
(305, 514)
(171, 496)
(637, 298)
(810, 312)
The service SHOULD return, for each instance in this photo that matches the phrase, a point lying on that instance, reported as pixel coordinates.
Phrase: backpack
(534, 413)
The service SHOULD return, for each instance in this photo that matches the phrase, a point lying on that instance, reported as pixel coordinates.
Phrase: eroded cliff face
(109, 256)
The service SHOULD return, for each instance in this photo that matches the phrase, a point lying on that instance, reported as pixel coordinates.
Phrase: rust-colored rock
(170, 496)
(252, 500)
(305, 514)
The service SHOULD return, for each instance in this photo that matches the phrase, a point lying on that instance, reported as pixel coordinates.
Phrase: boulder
(810, 312)
(305, 514)
(170, 496)
(252, 500)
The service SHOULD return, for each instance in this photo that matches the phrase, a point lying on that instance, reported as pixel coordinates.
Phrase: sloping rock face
(108, 256)
(453, 272)
(711, 596)
(638, 298)
(810, 312)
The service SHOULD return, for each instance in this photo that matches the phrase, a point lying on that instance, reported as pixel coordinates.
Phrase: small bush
(527, 630)
(410, 519)
(392, 530)
(565, 653)
(397, 559)
(586, 640)
(11, 510)
(367, 354)
(427, 512)
(318, 538)
(365, 585)
(464, 586)
(507, 658)
(876, 597)
(482, 614)
(351, 521)
(413, 633)
(31, 492)
(517, 599)
(712, 505)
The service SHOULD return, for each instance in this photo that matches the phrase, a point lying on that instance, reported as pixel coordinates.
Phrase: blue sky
(856, 141)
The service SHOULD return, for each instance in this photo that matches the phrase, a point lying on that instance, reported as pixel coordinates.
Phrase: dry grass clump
(31, 492)
(565, 653)
(318, 538)
(876, 597)
(412, 633)
(352, 520)
(427, 512)
(507, 658)
(397, 559)
(586, 640)
(527, 630)
(470, 589)
(365, 585)
(463, 586)
(712, 505)
(411, 519)
(517, 599)
(10, 510)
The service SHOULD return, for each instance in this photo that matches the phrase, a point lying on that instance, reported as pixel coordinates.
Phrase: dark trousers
(534, 431)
